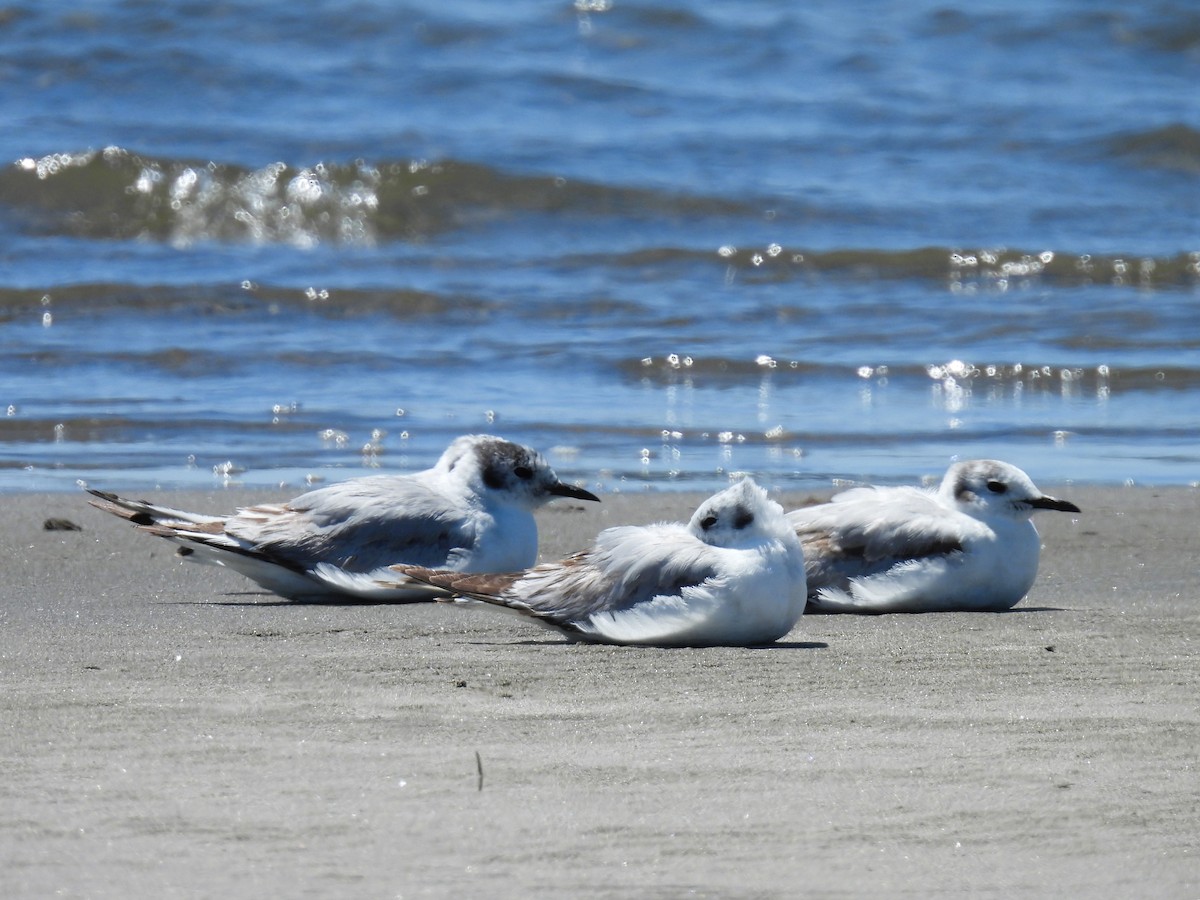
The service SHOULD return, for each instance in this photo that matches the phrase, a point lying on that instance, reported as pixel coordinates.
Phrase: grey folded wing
(868, 531)
(357, 531)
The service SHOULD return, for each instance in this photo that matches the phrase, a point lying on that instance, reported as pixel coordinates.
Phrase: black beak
(1054, 503)
(558, 489)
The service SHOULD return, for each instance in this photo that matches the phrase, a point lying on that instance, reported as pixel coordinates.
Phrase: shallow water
(663, 242)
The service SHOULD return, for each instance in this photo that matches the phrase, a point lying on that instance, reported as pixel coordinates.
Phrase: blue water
(263, 242)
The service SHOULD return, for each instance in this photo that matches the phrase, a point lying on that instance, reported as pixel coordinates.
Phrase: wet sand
(171, 732)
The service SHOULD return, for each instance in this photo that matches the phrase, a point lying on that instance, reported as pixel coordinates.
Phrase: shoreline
(177, 731)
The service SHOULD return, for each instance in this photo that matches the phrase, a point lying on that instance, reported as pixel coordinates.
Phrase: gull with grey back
(732, 576)
(968, 545)
(471, 512)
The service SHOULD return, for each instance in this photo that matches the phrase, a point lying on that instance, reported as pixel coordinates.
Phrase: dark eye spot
(523, 472)
(997, 487)
(708, 522)
(744, 517)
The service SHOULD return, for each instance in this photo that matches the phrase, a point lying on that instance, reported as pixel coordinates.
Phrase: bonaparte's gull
(732, 576)
(471, 512)
(969, 545)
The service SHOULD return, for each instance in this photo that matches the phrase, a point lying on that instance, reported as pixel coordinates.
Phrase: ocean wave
(960, 272)
(967, 268)
(1174, 147)
(117, 194)
(955, 374)
(960, 268)
(235, 299)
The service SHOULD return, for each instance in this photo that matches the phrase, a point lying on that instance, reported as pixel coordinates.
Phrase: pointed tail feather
(484, 586)
(488, 588)
(142, 512)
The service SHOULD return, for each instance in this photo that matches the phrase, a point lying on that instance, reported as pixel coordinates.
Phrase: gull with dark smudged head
(471, 512)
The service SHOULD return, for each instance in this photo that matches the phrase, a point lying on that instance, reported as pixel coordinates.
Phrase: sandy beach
(170, 731)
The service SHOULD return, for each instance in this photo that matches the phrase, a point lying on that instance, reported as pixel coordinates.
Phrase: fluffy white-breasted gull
(969, 545)
(732, 576)
(471, 512)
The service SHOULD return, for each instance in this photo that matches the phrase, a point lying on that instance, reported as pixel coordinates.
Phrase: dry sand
(170, 732)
